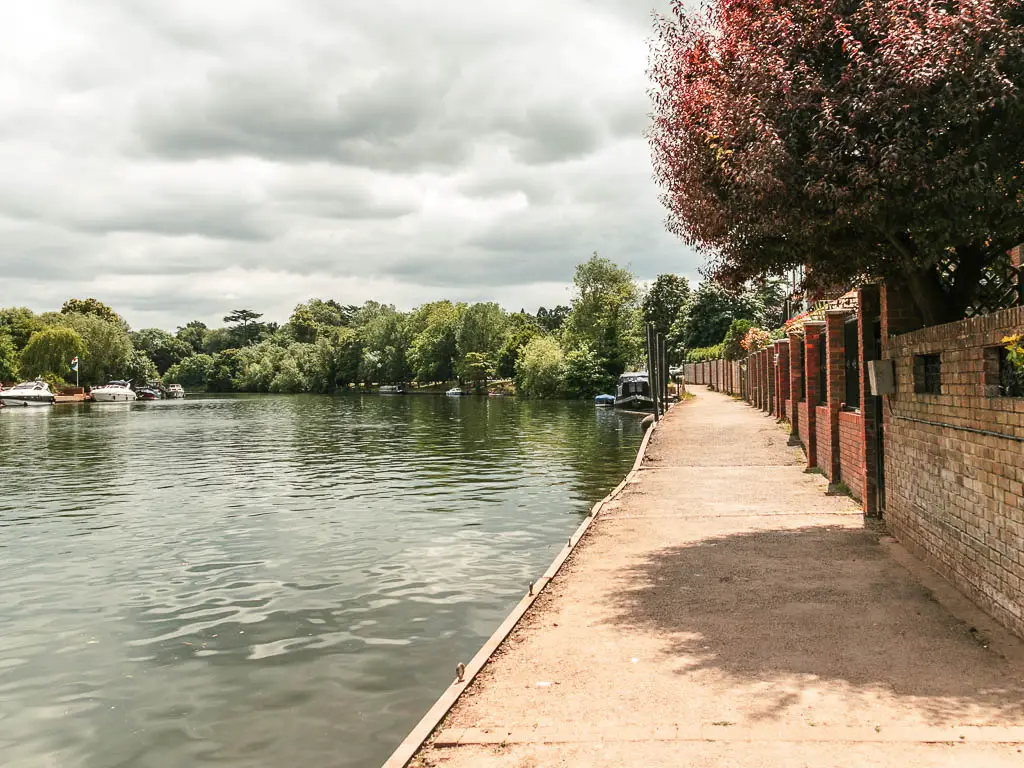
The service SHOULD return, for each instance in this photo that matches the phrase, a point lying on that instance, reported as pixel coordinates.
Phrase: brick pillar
(763, 405)
(769, 361)
(835, 352)
(868, 301)
(812, 366)
(751, 379)
(782, 366)
(796, 380)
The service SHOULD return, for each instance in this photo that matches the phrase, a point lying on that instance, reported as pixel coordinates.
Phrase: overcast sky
(180, 159)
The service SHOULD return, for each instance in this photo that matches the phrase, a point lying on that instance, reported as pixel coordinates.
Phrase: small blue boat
(604, 401)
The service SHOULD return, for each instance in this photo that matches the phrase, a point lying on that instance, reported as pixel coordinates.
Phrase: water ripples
(256, 581)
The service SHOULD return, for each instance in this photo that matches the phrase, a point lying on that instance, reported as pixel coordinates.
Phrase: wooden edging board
(418, 735)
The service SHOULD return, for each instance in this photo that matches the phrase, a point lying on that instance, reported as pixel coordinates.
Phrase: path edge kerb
(428, 724)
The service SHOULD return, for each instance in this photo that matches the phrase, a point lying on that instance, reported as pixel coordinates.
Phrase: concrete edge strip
(673, 732)
(430, 721)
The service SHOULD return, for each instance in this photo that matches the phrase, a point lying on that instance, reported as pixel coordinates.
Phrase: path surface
(723, 611)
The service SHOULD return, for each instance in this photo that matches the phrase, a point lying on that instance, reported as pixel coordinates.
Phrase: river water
(269, 581)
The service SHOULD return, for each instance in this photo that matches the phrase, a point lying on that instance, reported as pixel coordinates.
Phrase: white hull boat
(114, 392)
(29, 393)
(175, 392)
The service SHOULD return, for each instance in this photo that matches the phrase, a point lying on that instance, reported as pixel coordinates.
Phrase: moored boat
(604, 401)
(175, 392)
(114, 392)
(147, 393)
(634, 392)
(28, 393)
(391, 389)
(455, 392)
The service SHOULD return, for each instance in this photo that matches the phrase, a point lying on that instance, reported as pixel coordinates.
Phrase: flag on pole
(74, 363)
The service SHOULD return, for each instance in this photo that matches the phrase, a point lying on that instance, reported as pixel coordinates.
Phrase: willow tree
(862, 139)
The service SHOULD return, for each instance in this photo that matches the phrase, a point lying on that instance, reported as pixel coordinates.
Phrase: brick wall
(851, 452)
(796, 381)
(823, 440)
(782, 364)
(803, 423)
(954, 463)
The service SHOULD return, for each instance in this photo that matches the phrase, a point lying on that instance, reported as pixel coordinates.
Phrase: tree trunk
(934, 303)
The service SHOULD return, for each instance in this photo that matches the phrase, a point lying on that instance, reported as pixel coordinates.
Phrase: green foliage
(19, 323)
(163, 349)
(192, 372)
(477, 367)
(583, 374)
(91, 307)
(481, 330)
(605, 315)
(435, 341)
(700, 354)
(193, 334)
(108, 348)
(539, 371)
(731, 347)
(521, 329)
(8, 358)
(49, 352)
(552, 320)
(664, 301)
(242, 319)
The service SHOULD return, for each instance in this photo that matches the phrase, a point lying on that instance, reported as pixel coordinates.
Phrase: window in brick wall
(852, 351)
(928, 374)
(1002, 378)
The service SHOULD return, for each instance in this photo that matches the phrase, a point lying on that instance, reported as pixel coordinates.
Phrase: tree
(583, 374)
(108, 348)
(92, 307)
(161, 347)
(19, 323)
(731, 347)
(192, 372)
(859, 139)
(218, 339)
(551, 320)
(664, 301)
(708, 315)
(481, 330)
(8, 358)
(477, 367)
(521, 329)
(605, 314)
(539, 371)
(243, 317)
(434, 328)
(193, 334)
(50, 351)
(384, 345)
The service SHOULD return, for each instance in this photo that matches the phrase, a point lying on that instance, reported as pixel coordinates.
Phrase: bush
(701, 354)
(732, 346)
(539, 371)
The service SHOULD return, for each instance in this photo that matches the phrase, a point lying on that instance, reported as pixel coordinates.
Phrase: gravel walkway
(724, 611)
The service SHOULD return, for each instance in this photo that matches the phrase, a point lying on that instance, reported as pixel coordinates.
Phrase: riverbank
(723, 608)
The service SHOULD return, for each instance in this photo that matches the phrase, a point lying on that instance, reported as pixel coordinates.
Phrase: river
(270, 580)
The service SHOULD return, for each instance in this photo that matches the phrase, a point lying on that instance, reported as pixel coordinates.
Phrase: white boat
(455, 392)
(634, 392)
(28, 393)
(114, 392)
(175, 392)
(391, 389)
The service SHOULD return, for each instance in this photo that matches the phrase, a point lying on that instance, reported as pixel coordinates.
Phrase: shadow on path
(818, 604)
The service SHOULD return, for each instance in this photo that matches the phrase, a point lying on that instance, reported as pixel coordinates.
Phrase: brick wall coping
(958, 329)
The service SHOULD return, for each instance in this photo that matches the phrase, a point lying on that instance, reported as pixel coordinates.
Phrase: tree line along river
(270, 580)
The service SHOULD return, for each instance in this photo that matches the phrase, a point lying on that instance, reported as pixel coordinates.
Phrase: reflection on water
(265, 581)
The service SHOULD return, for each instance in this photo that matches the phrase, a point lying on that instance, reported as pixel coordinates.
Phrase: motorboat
(28, 393)
(114, 392)
(391, 389)
(604, 401)
(455, 392)
(175, 392)
(634, 392)
(147, 393)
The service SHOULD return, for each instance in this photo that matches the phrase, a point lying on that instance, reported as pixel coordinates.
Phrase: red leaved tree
(861, 138)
